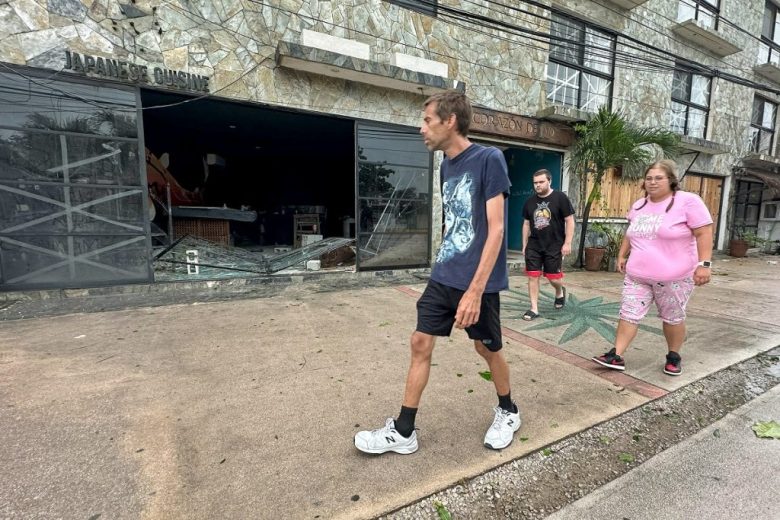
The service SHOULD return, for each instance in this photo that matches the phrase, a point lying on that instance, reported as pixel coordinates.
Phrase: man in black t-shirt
(548, 229)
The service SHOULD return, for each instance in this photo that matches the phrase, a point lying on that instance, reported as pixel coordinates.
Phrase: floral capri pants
(670, 298)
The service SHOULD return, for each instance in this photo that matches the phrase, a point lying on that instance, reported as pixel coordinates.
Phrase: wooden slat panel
(711, 194)
(709, 189)
(616, 196)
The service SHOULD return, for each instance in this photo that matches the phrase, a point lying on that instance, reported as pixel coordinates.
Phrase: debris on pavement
(767, 430)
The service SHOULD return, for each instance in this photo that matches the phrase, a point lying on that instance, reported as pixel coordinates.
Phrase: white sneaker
(386, 439)
(503, 429)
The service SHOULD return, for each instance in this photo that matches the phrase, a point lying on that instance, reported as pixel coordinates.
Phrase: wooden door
(710, 190)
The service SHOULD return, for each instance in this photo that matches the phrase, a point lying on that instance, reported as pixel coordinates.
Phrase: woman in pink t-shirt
(669, 237)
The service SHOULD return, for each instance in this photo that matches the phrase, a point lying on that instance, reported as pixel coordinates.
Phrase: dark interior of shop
(253, 160)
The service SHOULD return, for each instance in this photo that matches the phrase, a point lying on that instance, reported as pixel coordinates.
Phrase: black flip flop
(530, 315)
(560, 302)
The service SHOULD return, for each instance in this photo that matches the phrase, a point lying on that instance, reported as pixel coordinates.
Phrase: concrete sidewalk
(247, 408)
(724, 472)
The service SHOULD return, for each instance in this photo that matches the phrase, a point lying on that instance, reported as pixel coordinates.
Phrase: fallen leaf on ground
(486, 375)
(767, 430)
(442, 511)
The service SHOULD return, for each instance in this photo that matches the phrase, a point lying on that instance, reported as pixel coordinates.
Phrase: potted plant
(596, 250)
(743, 240)
(738, 246)
(615, 236)
(612, 239)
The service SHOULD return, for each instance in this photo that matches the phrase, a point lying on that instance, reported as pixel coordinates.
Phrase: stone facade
(235, 44)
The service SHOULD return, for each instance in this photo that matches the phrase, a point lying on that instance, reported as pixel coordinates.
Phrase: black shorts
(436, 310)
(547, 262)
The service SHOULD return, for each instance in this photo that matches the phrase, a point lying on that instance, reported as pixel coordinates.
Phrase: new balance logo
(390, 440)
(510, 422)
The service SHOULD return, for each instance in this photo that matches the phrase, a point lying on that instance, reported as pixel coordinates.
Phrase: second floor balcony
(698, 23)
(695, 32)
(768, 62)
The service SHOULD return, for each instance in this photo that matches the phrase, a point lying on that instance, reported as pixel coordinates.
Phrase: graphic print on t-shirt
(458, 229)
(542, 215)
(646, 226)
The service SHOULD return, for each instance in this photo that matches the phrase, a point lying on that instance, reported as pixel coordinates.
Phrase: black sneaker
(611, 360)
(673, 365)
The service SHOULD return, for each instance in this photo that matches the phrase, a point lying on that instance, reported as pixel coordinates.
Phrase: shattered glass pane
(193, 258)
(298, 257)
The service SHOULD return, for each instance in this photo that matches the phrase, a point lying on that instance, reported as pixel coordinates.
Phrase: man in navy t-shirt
(469, 271)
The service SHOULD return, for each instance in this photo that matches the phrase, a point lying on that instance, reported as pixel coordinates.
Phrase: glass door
(393, 198)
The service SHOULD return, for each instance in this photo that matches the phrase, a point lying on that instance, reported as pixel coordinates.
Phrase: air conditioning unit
(769, 221)
(770, 211)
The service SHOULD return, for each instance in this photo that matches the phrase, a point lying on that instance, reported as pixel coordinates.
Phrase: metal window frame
(690, 104)
(769, 41)
(579, 66)
(701, 5)
(84, 258)
(749, 186)
(763, 129)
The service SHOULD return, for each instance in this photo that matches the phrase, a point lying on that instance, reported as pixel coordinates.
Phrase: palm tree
(609, 141)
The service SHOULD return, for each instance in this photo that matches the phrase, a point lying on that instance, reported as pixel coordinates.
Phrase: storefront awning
(333, 64)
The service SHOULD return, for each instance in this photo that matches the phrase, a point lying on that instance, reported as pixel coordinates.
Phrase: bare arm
(703, 237)
(470, 303)
(566, 249)
(625, 248)
(526, 234)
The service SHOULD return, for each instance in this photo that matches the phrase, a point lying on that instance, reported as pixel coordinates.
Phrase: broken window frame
(91, 257)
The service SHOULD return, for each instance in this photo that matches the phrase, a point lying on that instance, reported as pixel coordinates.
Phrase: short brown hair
(544, 172)
(453, 102)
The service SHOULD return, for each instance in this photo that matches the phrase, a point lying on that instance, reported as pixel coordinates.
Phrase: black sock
(505, 402)
(405, 422)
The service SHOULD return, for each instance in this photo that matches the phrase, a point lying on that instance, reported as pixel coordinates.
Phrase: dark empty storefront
(97, 179)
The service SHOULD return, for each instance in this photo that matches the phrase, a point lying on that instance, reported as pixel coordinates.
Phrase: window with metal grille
(747, 205)
(428, 7)
(762, 125)
(581, 65)
(690, 103)
(706, 12)
(769, 48)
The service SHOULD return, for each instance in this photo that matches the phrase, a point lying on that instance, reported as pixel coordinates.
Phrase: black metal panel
(72, 197)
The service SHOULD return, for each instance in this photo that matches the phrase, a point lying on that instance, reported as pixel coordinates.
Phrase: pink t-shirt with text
(663, 247)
